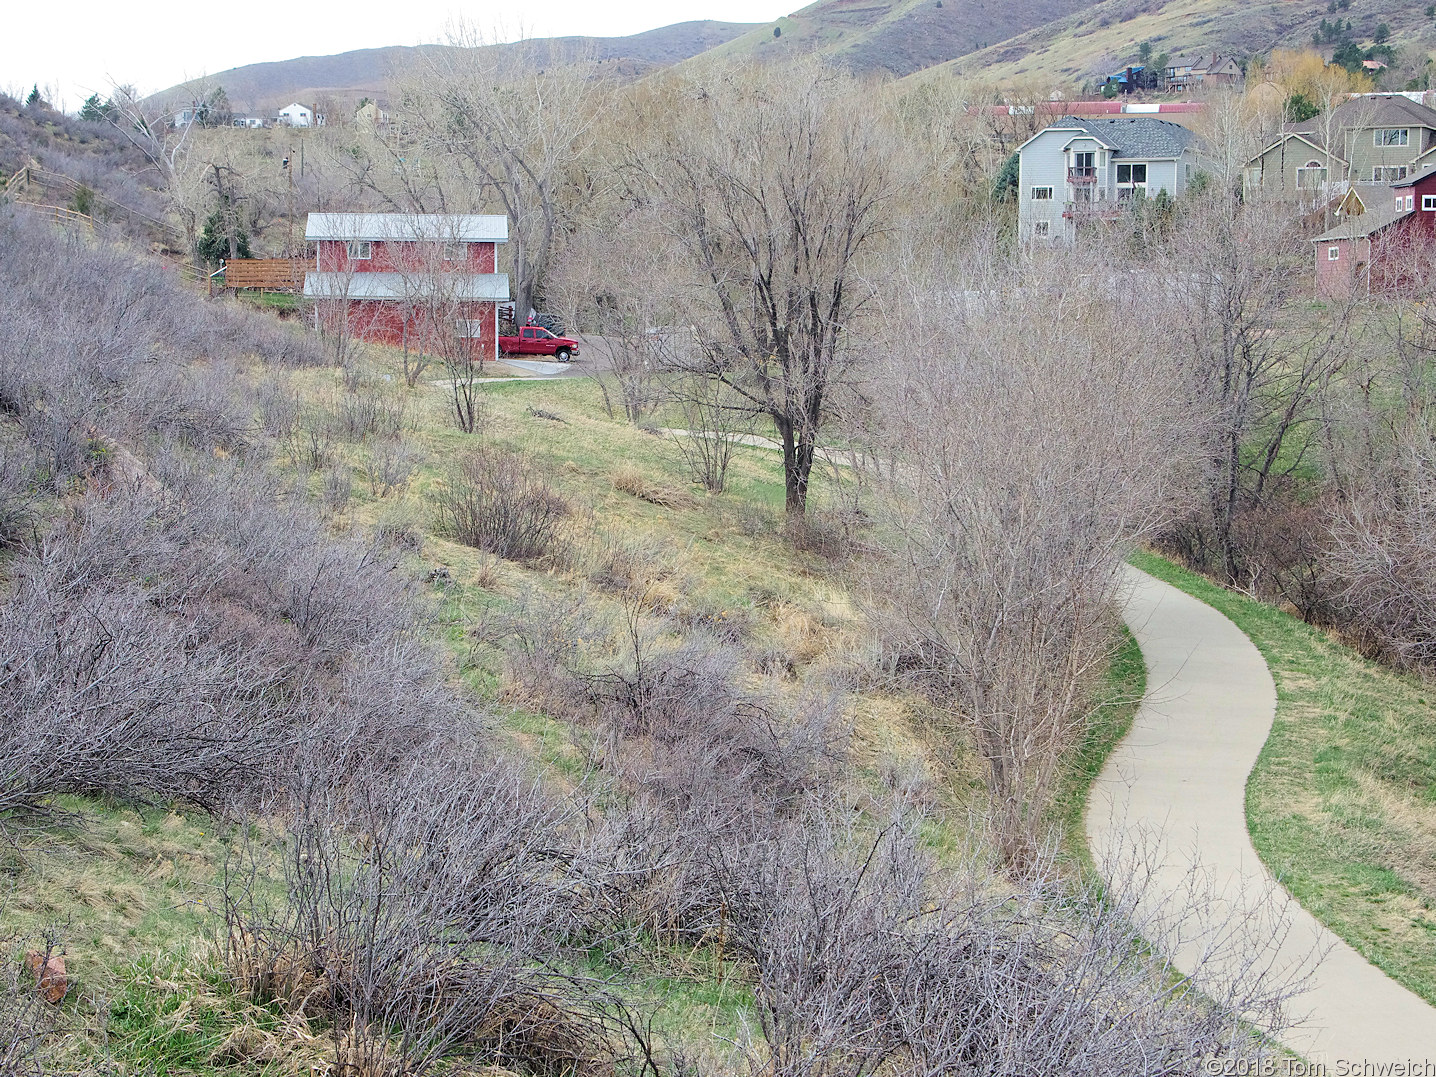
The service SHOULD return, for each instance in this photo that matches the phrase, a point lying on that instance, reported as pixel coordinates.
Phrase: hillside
(1099, 38)
(364, 72)
(898, 36)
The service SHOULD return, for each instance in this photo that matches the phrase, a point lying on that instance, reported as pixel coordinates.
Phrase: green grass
(1341, 804)
(1111, 718)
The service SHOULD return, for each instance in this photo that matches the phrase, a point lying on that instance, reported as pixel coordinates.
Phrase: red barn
(425, 281)
(1382, 240)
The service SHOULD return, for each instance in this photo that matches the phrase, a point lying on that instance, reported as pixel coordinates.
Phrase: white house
(296, 115)
(1082, 170)
(252, 122)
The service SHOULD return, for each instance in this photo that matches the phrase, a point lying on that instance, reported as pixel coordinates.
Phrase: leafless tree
(773, 184)
(1025, 454)
(516, 127)
(716, 420)
(615, 281)
(1258, 361)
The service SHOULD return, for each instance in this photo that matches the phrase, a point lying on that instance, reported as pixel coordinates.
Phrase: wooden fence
(266, 274)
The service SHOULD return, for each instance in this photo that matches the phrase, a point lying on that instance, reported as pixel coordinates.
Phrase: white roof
(468, 286)
(443, 227)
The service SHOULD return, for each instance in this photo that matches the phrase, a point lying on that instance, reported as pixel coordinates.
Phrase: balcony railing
(1081, 175)
(1093, 211)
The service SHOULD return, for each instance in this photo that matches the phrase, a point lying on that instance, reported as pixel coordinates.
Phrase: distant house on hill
(1186, 73)
(410, 279)
(371, 113)
(295, 115)
(1080, 171)
(247, 121)
(1129, 80)
(1374, 138)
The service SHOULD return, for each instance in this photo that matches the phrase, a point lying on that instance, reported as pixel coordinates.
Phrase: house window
(1042, 194)
(1333, 254)
(1410, 202)
(1131, 181)
(1388, 173)
(1391, 136)
(361, 250)
(456, 252)
(1428, 203)
(1041, 228)
(1312, 174)
(469, 328)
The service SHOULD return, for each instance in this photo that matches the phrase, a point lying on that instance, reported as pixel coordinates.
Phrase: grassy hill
(364, 72)
(1098, 39)
(897, 36)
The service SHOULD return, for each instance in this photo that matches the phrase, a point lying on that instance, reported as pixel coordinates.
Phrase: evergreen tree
(1009, 176)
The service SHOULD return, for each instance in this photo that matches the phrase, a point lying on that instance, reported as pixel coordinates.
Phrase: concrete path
(1179, 780)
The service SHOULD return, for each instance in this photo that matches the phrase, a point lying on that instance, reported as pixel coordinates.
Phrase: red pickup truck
(536, 340)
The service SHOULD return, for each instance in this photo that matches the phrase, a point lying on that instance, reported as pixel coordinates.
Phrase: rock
(49, 972)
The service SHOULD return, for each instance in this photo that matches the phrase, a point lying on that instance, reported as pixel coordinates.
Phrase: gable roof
(410, 227)
(1369, 110)
(1415, 177)
(1140, 137)
(1369, 195)
(1382, 215)
(1313, 139)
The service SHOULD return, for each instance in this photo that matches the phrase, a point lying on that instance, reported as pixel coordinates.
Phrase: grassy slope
(1100, 39)
(895, 36)
(135, 894)
(1342, 802)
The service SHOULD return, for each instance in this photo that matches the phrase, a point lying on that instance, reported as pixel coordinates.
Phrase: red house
(1382, 240)
(425, 281)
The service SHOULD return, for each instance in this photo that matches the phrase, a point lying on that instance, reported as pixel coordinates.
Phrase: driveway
(1179, 780)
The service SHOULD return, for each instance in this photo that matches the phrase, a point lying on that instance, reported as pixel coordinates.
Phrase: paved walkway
(1181, 773)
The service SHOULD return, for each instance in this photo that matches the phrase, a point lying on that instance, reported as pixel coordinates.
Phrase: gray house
(1081, 171)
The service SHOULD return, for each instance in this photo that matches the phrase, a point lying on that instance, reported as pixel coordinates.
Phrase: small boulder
(49, 972)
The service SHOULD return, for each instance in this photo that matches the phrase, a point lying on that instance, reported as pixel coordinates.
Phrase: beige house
(1373, 138)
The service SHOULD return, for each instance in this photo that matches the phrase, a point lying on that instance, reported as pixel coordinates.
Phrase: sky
(154, 44)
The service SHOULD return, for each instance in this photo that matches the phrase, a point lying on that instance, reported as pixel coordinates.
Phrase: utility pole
(288, 167)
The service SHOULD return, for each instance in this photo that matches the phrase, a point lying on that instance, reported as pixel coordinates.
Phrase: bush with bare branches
(497, 500)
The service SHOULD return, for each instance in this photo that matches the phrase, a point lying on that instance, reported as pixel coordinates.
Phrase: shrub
(495, 500)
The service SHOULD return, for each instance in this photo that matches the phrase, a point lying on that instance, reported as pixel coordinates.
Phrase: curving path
(1178, 780)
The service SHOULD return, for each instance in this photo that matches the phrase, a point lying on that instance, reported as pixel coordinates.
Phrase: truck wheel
(562, 355)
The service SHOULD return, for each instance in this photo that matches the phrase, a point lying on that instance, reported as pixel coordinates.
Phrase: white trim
(1428, 203)
(1333, 253)
(1042, 194)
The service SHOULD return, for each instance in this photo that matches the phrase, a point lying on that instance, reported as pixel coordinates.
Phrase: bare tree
(1257, 361)
(716, 419)
(515, 127)
(1024, 456)
(616, 281)
(773, 184)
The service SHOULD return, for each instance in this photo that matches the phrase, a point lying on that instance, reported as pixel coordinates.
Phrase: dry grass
(632, 481)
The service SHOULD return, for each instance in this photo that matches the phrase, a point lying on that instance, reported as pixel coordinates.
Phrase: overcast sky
(79, 47)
